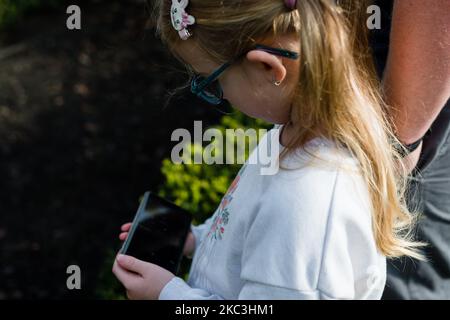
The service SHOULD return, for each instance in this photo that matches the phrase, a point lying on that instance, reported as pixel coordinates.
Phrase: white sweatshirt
(303, 233)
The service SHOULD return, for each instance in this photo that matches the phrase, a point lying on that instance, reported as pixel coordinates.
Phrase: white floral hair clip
(181, 19)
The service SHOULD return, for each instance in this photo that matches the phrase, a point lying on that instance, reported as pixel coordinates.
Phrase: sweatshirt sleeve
(178, 289)
(352, 266)
(312, 241)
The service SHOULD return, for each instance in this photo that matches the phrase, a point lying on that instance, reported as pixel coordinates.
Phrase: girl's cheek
(232, 93)
(233, 85)
(242, 96)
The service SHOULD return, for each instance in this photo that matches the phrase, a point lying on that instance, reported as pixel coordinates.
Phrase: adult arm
(417, 75)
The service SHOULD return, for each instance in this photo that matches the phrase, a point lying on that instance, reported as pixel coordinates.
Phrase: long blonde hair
(337, 84)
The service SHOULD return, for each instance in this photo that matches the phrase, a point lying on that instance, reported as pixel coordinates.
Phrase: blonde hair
(338, 89)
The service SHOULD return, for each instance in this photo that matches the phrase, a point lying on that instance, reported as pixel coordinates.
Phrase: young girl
(323, 225)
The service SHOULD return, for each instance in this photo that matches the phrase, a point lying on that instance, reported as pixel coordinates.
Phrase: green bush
(199, 188)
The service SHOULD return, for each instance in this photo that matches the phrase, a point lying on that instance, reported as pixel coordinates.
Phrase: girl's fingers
(124, 276)
(132, 264)
(126, 227)
(123, 236)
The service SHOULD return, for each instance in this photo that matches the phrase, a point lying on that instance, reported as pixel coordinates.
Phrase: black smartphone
(158, 233)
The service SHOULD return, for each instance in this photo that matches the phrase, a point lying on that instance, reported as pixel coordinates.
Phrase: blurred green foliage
(199, 188)
(12, 10)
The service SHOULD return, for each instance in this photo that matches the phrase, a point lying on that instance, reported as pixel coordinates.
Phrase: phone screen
(158, 233)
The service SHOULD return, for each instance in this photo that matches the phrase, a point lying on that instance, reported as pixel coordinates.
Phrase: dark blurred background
(83, 131)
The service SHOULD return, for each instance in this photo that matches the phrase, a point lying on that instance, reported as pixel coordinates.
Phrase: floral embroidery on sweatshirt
(221, 219)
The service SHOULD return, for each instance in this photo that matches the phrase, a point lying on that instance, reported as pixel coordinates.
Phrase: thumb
(131, 263)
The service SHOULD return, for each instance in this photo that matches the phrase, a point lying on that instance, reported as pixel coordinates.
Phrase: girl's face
(250, 85)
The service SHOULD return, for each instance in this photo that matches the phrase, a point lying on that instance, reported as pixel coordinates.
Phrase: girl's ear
(273, 65)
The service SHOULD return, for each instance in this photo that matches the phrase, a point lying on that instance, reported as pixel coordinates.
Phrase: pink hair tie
(291, 4)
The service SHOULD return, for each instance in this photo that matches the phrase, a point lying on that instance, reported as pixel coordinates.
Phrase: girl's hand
(142, 280)
(189, 245)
